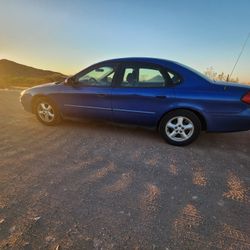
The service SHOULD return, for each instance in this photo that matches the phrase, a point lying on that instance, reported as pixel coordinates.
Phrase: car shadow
(115, 128)
(205, 140)
(235, 141)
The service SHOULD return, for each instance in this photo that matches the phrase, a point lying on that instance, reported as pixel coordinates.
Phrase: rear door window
(142, 77)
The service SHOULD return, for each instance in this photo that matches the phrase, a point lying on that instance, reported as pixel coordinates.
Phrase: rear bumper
(229, 122)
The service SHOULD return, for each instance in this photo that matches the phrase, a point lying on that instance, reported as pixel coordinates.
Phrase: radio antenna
(238, 58)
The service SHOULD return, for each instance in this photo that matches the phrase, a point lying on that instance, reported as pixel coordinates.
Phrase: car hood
(45, 85)
(43, 88)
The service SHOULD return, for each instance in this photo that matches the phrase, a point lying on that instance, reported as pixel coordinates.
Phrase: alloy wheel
(45, 112)
(179, 128)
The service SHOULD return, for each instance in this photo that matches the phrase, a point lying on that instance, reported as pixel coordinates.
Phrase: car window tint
(101, 76)
(129, 77)
(142, 77)
(110, 78)
(175, 79)
(150, 78)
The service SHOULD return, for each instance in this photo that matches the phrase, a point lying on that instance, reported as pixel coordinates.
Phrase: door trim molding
(86, 107)
(134, 111)
(118, 110)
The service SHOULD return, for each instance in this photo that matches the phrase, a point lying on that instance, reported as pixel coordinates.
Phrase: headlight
(22, 92)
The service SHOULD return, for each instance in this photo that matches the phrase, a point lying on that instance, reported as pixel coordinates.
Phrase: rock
(97, 243)
(2, 221)
(25, 244)
(220, 203)
(12, 229)
(37, 218)
(194, 197)
(49, 238)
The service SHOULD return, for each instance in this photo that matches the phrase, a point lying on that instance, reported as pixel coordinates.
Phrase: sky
(67, 36)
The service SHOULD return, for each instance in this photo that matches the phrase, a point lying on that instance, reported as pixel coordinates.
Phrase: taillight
(246, 98)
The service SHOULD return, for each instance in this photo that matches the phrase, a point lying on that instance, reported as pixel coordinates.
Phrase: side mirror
(70, 81)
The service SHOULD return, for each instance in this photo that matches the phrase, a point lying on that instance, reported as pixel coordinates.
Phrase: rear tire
(180, 127)
(47, 112)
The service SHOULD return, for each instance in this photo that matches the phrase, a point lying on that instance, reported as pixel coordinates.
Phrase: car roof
(174, 66)
(162, 62)
(141, 59)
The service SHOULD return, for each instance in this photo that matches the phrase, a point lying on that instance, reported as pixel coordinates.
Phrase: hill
(15, 74)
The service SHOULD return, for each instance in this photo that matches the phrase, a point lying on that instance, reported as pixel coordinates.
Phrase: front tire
(180, 127)
(47, 112)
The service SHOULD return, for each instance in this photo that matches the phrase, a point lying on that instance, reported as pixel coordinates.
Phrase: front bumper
(26, 101)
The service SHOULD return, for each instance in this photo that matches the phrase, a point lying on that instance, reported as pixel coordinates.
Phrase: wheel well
(199, 115)
(34, 99)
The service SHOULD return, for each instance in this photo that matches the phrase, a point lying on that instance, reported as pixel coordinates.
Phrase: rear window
(174, 78)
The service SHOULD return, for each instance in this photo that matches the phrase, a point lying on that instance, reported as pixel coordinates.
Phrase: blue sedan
(176, 99)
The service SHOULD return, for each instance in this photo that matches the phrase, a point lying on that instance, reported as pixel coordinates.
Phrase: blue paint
(219, 104)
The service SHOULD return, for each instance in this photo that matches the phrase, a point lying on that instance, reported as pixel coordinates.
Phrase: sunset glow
(66, 36)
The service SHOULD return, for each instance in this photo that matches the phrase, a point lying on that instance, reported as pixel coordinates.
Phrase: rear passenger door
(141, 93)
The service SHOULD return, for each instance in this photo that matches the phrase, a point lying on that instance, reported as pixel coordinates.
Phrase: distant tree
(222, 77)
(212, 74)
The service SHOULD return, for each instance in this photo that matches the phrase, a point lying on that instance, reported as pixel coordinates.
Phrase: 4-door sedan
(176, 99)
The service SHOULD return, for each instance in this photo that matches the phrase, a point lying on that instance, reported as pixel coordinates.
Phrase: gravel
(94, 185)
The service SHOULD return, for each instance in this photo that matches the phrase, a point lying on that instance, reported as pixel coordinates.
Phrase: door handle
(161, 96)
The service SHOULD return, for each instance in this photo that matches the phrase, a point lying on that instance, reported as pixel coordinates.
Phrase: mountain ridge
(16, 74)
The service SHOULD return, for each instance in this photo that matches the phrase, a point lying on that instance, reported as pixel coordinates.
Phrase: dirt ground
(93, 185)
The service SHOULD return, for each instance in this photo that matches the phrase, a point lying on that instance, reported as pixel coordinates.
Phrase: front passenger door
(90, 96)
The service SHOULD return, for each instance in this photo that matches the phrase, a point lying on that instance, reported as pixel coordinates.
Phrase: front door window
(98, 77)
